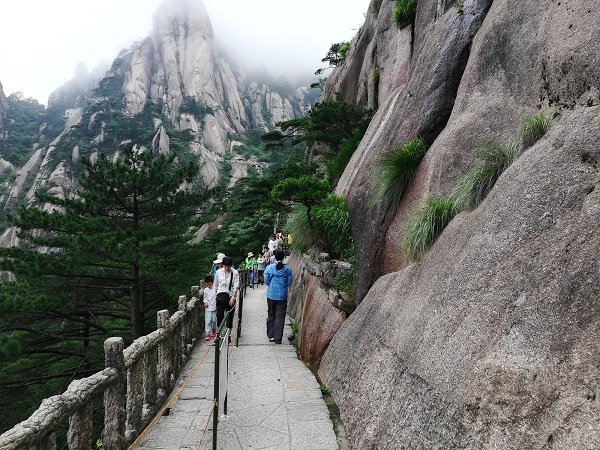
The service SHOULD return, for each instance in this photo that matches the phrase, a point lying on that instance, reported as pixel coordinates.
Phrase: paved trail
(274, 402)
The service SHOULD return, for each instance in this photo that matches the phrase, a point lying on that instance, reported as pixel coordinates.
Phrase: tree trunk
(137, 311)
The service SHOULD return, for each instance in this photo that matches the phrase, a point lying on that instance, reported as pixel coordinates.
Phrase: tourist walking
(273, 244)
(210, 307)
(261, 264)
(278, 278)
(250, 265)
(227, 286)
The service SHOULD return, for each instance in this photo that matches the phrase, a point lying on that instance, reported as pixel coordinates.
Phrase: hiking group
(223, 284)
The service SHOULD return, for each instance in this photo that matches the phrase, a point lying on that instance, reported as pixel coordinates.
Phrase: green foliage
(495, 159)
(459, 7)
(478, 182)
(246, 207)
(426, 224)
(307, 190)
(330, 232)
(338, 162)
(324, 389)
(23, 123)
(192, 106)
(329, 122)
(345, 282)
(397, 168)
(533, 128)
(375, 6)
(404, 12)
(376, 74)
(127, 230)
(335, 55)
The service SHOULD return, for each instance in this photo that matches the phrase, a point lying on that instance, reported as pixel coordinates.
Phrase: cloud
(41, 41)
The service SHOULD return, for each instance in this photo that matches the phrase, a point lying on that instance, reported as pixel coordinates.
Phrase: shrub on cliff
(404, 12)
(330, 231)
(397, 168)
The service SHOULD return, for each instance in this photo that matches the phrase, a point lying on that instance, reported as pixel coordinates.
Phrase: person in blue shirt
(278, 277)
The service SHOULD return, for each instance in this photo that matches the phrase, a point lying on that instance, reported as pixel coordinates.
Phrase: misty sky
(41, 41)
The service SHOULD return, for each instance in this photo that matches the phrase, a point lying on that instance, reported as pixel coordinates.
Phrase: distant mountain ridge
(169, 89)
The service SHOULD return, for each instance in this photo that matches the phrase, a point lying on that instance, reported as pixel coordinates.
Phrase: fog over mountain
(285, 37)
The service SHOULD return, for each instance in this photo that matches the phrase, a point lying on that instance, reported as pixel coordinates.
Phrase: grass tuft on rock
(397, 168)
(426, 224)
(479, 181)
(533, 128)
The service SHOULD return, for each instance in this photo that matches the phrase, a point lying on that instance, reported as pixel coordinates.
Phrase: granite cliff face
(177, 73)
(491, 339)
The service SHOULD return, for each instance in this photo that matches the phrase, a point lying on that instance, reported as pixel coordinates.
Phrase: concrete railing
(135, 383)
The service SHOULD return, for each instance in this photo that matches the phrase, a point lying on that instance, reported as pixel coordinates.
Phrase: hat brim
(218, 261)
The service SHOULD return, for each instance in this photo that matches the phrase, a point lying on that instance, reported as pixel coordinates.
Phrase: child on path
(210, 308)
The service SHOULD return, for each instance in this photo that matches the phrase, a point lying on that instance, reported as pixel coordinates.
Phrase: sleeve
(268, 275)
(236, 281)
(289, 277)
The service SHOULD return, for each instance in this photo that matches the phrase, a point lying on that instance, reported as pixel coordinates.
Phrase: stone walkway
(274, 402)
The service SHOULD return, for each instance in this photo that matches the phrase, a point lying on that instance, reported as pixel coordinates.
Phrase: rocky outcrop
(179, 60)
(70, 94)
(317, 307)
(490, 341)
(419, 107)
(176, 76)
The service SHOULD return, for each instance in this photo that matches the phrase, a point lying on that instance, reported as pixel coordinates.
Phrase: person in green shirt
(250, 265)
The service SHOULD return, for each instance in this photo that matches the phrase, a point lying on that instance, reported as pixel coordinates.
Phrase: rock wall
(491, 339)
(318, 309)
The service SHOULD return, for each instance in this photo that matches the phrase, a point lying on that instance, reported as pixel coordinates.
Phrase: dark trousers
(276, 318)
(222, 306)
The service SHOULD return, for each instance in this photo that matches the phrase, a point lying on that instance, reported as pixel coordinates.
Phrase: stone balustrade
(135, 383)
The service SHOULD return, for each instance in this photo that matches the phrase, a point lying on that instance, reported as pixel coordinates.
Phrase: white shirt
(222, 281)
(273, 245)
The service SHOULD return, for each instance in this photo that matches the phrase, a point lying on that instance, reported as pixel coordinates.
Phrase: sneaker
(214, 332)
(207, 337)
(271, 339)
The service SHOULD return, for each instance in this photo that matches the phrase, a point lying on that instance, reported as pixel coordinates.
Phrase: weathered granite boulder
(491, 340)
(420, 107)
(315, 305)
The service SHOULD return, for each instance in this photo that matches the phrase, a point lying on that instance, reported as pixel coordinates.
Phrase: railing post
(135, 401)
(80, 428)
(113, 435)
(150, 385)
(185, 325)
(197, 324)
(165, 361)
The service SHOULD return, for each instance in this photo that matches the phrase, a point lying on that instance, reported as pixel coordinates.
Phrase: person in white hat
(250, 265)
(218, 263)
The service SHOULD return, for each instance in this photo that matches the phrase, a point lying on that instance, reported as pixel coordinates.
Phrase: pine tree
(94, 266)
